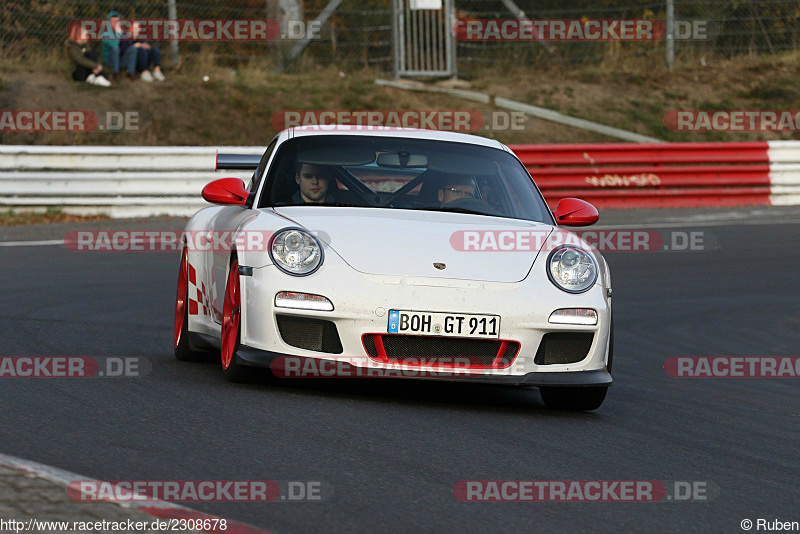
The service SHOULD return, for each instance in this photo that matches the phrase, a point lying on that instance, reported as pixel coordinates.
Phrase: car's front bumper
(361, 304)
(262, 358)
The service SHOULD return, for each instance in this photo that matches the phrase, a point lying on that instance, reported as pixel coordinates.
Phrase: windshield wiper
(346, 205)
(458, 210)
(335, 204)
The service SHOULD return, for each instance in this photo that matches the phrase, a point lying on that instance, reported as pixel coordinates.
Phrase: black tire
(575, 399)
(236, 372)
(610, 344)
(184, 351)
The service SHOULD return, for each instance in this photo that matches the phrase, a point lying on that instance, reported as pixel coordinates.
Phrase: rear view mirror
(336, 155)
(402, 160)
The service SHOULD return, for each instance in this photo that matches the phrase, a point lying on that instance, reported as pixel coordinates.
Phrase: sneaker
(158, 76)
(146, 76)
(90, 79)
(101, 81)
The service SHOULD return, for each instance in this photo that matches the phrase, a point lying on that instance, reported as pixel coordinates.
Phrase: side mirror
(575, 212)
(226, 191)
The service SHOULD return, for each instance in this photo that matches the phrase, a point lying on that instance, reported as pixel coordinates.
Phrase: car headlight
(295, 251)
(572, 269)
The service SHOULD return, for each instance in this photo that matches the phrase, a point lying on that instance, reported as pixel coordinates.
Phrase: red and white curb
(160, 509)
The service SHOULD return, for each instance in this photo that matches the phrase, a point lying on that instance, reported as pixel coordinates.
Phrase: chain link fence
(359, 33)
(730, 27)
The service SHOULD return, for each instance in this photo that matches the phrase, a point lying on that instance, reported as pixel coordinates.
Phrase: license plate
(444, 324)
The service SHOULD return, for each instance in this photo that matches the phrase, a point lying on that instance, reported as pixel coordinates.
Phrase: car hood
(410, 242)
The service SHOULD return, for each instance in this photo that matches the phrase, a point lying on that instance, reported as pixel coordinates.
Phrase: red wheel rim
(180, 300)
(230, 316)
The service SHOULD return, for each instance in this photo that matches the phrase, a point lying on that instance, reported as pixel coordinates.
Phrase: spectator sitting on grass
(110, 48)
(148, 56)
(139, 56)
(87, 68)
(127, 52)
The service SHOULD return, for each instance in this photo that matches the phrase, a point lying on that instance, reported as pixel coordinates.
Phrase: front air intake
(440, 350)
(309, 334)
(563, 347)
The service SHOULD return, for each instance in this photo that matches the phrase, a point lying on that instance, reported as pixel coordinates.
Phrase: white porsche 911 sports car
(396, 250)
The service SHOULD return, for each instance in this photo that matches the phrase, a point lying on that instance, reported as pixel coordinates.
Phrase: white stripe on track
(49, 243)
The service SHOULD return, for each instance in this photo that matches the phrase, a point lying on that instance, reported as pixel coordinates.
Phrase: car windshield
(397, 173)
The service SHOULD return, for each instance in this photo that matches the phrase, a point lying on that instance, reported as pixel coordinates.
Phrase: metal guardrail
(624, 175)
(147, 181)
(117, 181)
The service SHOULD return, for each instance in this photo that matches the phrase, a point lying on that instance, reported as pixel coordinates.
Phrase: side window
(262, 166)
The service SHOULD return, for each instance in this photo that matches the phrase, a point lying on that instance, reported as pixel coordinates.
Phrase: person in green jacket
(84, 59)
(110, 47)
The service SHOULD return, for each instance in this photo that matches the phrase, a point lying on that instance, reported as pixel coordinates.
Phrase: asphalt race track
(392, 450)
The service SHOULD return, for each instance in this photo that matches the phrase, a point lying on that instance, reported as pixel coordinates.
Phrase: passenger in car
(455, 188)
(314, 182)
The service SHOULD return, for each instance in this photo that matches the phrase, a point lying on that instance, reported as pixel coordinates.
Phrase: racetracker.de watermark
(73, 367)
(584, 491)
(578, 30)
(44, 120)
(733, 120)
(171, 240)
(198, 490)
(600, 240)
(462, 240)
(444, 120)
(364, 367)
(733, 366)
(194, 29)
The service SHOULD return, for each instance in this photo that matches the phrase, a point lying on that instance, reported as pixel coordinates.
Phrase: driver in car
(456, 188)
(314, 182)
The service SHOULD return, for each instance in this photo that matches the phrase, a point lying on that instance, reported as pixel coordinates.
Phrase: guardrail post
(173, 44)
(670, 33)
